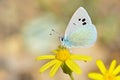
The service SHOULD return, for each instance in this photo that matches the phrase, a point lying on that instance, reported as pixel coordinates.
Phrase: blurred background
(25, 28)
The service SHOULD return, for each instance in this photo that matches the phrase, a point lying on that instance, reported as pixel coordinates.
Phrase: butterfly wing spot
(83, 19)
(84, 23)
(79, 19)
(74, 24)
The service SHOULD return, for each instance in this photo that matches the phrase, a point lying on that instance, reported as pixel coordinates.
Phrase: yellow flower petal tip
(106, 74)
(62, 56)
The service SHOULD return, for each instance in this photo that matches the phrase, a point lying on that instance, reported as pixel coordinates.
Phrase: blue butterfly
(80, 31)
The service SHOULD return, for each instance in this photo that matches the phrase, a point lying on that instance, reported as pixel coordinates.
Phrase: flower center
(109, 76)
(62, 54)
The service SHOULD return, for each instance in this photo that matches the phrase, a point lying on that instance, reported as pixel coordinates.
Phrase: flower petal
(112, 66)
(80, 57)
(55, 68)
(117, 70)
(101, 66)
(117, 77)
(95, 76)
(47, 65)
(45, 57)
(73, 66)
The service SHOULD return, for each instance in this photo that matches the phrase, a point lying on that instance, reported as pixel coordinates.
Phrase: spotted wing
(79, 18)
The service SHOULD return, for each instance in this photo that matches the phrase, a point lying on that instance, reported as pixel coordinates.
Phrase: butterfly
(80, 31)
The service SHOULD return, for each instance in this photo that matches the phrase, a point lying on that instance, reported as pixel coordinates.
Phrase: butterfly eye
(62, 38)
(79, 19)
(83, 19)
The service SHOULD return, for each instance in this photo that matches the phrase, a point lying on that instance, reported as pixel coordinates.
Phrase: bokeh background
(25, 28)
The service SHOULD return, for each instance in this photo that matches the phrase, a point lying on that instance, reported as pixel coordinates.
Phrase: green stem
(71, 76)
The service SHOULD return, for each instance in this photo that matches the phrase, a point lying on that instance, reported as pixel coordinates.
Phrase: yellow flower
(111, 74)
(62, 58)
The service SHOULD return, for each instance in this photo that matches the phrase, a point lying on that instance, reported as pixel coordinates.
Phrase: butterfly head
(62, 39)
(65, 42)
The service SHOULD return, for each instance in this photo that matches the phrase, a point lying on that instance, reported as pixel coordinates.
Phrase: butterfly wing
(83, 37)
(80, 31)
(74, 23)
